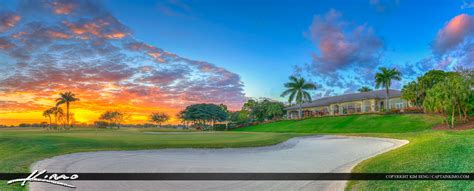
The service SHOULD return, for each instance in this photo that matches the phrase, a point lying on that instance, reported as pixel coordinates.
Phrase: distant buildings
(364, 102)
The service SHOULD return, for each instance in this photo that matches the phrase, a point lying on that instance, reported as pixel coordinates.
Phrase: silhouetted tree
(66, 98)
(159, 117)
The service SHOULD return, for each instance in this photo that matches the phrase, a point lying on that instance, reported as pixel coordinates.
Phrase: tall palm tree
(48, 113)
(384, 78)
(66, 98)
(298, 88)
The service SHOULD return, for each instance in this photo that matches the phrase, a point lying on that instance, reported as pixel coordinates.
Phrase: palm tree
(384, 78)
(364, 89)
(58, 113)
(67, 98)
(159, 118)
(48, 113)
(297, 89)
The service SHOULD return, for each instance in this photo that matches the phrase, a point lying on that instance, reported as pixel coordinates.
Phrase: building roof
(325, 101)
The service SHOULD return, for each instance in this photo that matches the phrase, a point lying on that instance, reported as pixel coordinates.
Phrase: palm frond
(293, 79)
(292, 97)
(296, 89)
(309, 86)
(307, 96)
(60, 102)
(286, 92)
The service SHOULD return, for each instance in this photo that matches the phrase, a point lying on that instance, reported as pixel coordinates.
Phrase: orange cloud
(107, 27)
(107, 69)
(58, 35)
(8, 20)
(116, 35)
(62, 8)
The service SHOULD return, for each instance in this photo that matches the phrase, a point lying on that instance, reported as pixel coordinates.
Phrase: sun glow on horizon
(78, 46)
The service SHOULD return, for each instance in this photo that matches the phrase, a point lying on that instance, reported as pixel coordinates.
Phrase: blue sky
(146, 56)
(263, 40)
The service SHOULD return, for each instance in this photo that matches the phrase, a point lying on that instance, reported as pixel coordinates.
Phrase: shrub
(101, 124)
(394, 110)
(413, 110)
(219, 127)
(201, 126)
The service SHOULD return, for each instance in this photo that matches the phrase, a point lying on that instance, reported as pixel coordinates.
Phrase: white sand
(303, 154)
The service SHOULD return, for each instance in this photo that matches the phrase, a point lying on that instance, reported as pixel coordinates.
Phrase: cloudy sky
(143, 56)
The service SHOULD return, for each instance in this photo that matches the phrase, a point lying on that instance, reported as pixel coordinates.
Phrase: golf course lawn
(428, 150)
(351, 124)
(20, 147)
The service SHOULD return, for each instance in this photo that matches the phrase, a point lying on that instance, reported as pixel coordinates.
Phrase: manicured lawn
(19, 148)
(428, 150)
(351, 124)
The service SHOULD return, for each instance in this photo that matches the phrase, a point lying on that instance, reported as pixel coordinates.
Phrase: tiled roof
(325, 101)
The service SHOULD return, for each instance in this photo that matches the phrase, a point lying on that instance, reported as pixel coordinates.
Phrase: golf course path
(302, 154)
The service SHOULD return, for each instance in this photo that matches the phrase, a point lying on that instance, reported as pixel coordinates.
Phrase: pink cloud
(8, 20)
(5, 44)
(453, 45)
(453, 33)
(444, 63)
(340, 46)
(58, 34)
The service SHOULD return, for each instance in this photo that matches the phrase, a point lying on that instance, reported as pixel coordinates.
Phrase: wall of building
(361, 106)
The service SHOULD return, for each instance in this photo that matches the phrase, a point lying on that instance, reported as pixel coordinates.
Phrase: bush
(394, 110)
(219, 127)
(101, 124)
(413, 110)
(200, 126)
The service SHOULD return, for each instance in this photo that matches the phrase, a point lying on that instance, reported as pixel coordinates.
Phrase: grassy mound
(429, 151)
(351, 124)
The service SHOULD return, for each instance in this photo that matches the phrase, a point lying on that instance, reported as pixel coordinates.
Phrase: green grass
(19, 147)
(428, 150)
(351, 124)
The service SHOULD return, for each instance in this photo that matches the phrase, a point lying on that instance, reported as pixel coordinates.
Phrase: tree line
(61, 119)
(115, 118)
(447, 93)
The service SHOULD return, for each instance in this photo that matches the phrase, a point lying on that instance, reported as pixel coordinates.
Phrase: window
(399, 105)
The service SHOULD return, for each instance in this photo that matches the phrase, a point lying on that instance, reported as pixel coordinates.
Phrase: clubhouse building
(363, 102)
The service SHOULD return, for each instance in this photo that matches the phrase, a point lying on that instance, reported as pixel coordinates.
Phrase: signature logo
(36, 176)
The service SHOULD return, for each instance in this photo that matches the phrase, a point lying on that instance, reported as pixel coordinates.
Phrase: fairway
(428, 150)
(20, 147)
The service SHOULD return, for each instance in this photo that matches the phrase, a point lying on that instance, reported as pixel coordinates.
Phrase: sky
(160, 56)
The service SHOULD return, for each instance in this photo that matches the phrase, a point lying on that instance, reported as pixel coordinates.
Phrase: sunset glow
(161, 56)
(80, 47)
